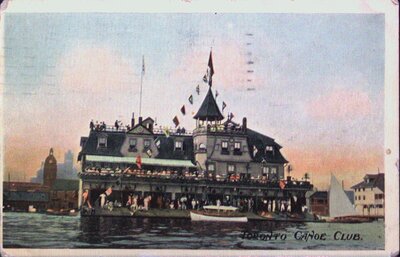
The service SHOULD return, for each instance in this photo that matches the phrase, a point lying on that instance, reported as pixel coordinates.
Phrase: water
(26, 230)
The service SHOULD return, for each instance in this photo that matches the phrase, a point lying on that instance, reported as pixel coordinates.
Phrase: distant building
(53, 193)
(50, 170)
(65, 170)
(64, 194)
(18, 196)
(369, 195)
(319, 203)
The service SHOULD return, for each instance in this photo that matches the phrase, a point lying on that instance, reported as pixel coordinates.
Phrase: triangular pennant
(191, 99)
(183, 110)
(198, 89)
(223, 106)
(176, 121)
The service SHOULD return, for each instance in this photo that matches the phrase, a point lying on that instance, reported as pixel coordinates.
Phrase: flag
(183, 111)
(231, 116)
(108, 191)
(223, 106)
(216, 94)
(139, 161)
(282, 184)
(166, 132)
(176, 121)
(143, 65)
(126, 170)
(210, 71)
(198, 89)
(191, 99)
(149, 152)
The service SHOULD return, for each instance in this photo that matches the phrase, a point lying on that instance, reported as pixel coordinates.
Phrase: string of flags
(207, 78)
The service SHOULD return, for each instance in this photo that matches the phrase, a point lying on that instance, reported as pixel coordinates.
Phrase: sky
(317, 83)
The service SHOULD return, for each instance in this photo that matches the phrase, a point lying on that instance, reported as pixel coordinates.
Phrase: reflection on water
(24, 230)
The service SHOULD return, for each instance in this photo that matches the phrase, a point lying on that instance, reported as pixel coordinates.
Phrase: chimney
(244, 124)
(140, 120)
(133, 120)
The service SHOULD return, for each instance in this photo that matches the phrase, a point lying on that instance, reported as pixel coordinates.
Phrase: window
(378, 196)
(265, 170)
(238, 145)
(363, 197)
(363, 188)
(102, 142)
(146, 143)
(237, 149)
(231, 168)
(132, 144)
(211, 167)
(178, 145)
(202, 147)
(224, 147)
(273, 170)
(268, 148)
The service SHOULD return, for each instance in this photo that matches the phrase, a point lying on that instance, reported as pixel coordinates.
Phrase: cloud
(96, 69)
(340, 104)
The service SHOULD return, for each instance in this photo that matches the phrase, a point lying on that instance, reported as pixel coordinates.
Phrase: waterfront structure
(218, 160)
(53, 193)
(369, 195)
(319, 203)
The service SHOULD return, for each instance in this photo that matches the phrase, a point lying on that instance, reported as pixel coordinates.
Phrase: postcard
(216, 128)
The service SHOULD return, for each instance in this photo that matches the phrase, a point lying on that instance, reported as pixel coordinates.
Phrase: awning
(145, 161)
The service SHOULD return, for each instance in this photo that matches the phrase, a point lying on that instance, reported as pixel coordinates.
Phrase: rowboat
(218, 213)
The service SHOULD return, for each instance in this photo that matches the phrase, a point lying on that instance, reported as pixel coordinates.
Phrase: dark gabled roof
(261, 141)
(167, 147)
(114, 143)
(209, 109)
(320, 195)
(375, 180)
(26, 196)
(66, 185)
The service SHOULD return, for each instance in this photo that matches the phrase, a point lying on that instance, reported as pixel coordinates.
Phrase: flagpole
(141, 86)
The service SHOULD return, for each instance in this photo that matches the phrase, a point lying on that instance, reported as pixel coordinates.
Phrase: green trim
(145, 161)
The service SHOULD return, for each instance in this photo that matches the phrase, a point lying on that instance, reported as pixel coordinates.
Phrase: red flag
(282, 184)
(139, 161)
(176, 121)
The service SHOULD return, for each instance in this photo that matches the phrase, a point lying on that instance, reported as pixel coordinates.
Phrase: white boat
(340, 208)
(31, 208)
(218, 213)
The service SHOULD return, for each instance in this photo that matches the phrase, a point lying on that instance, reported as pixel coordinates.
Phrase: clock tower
(50, 169)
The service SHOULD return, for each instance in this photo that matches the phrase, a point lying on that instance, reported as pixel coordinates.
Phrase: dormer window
(269, 148)
(224, 148)
(237, 150)
(178, 145)
(102, 142)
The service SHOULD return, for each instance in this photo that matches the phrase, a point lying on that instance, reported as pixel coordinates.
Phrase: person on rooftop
(91, 125)
(116, 124)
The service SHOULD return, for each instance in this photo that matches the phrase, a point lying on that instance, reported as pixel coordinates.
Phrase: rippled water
(25, 230)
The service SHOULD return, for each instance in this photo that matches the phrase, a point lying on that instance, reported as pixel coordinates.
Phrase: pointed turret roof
(209, 109)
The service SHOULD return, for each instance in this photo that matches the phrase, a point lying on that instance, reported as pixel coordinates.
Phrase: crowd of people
(102, 126)
(182, 175)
